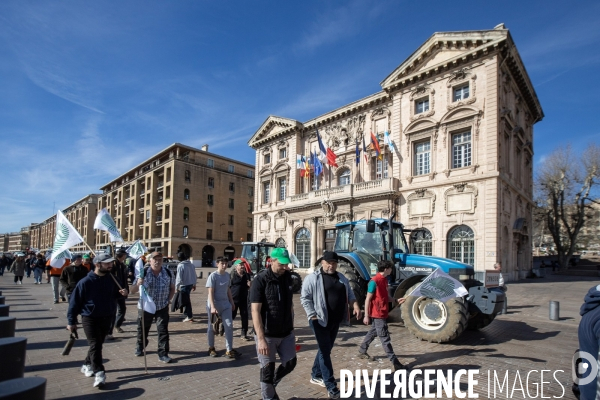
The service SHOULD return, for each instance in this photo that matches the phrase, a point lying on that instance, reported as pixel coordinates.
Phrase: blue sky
(89, 89)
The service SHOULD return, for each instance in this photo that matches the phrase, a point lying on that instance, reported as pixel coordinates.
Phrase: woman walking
(38, 268)
(18, 268)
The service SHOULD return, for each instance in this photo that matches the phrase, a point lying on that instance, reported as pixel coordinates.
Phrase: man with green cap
(239, 284)
(271, 297)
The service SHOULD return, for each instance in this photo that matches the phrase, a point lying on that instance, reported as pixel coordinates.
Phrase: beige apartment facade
(460, 113)
(183, 199)
(18, 241)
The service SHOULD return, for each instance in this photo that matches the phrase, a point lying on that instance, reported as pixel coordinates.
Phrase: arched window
(303, 247)
(280, 242)
(186, 194)
(185, 231)
(420, 242)
(344, 177)
(186, 213)
(461, 245)
(188, 177)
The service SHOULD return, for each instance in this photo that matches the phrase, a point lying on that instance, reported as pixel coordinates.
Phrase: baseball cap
(121, 252)
(329, 256)
(236, 262)
(86, 256)
(76, 256)
(103, 258)
(156, 254)
(281, 255)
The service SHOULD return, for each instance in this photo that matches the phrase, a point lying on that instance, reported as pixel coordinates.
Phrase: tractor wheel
(358, 285)
(480, 321)
(434, 321)
(296, 282)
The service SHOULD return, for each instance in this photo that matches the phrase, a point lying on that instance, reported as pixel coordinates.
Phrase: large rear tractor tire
(296, 282)
(480, 321)
(434, 321)
(358, 285)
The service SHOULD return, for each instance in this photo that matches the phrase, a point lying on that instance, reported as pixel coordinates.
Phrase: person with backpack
(159, 284)
(186, 283)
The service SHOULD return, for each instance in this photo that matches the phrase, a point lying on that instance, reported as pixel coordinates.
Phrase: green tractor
(361, 244)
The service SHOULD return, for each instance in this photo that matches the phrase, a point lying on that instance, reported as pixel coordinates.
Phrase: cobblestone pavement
(523, 340)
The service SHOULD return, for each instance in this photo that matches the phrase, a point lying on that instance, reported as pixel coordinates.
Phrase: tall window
(147, 215)
(188, 177)
(186, 194)
(461, 245)
(211, 182)
(230, 220)
(303, 247)
(249, 222)
(185, 231)
(250, 191)
(209, 234)
(422, 158)
(250, 206)
(420, 242)
(266, 192)
(344, 178)
(211, 200)
(282, 153)
(186, 213)
(314, 182)
(209, 216)
(231, 204)
(282, 189)
(381, 168)
(461, 150)
(461, 93)
(267, 158)
(249, 237)
(231, 168)
(250, 173)
(232, 187)
(210, 163)
(280, 243)
(422, 105)
(230, 236)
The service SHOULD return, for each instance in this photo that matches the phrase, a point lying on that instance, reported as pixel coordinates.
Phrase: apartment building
(18, 241)
(4, 242)
(459, 112)
(183, 199)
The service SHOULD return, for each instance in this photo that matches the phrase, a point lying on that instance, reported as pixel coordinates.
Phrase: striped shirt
(158, 287)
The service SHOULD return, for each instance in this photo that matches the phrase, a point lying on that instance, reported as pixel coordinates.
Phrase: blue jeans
(187, 309)
(322, 367)
(37, 275)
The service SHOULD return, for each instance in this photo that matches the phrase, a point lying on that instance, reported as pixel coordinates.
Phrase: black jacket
(71, 275)
(275, 295)
(589, 334)
(120, 272)
(239, 286)
(94, 296)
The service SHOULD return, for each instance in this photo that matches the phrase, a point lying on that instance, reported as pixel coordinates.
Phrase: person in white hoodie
(186, 283)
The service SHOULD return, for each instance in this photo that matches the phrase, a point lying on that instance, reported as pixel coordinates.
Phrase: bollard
(30, 388)
(2, 300)
(505, 305)
(13, 358)
(7, 326)
(200, 275)
(4, 310)
(554, 310)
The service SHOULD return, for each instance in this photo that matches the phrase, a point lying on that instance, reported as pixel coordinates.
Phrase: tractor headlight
(463, 277)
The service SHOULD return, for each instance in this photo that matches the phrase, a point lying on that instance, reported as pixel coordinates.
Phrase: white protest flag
(66, 236)
(104, 222)
(60, 259)
(146, 303)
(387, 140)
(440, 286)
(137, 249)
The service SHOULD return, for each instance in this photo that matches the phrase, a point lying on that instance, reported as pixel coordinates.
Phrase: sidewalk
(525, 339)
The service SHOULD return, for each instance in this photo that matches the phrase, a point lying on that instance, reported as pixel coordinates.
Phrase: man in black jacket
(71, 275)
(239, 284)
(94, 298)
(273, 318)
(120, 273)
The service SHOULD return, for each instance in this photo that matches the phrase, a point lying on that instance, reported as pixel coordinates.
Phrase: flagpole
(88, 246)
(143, 325)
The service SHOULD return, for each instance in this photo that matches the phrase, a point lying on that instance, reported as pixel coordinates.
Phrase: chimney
(204, 147)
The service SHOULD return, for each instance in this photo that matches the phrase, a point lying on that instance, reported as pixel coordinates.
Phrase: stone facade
(183, 199)
(460, 113)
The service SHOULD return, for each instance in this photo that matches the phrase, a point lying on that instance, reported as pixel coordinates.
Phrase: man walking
(186, 283)
(159, 283)
(240, 282)
(119, 271)
(273, 318)
(376, 313)
(220, 304)
(326, 295)
(71, 275)
(94, 298)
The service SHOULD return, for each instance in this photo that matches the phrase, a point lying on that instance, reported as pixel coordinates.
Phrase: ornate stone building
(460, 113)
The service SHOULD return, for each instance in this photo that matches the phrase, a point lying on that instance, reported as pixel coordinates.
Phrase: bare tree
(566, 185)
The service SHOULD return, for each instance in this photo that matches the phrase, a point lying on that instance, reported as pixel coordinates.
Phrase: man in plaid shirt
(159, 282)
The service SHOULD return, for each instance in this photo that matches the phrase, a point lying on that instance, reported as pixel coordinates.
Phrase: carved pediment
(421, 203)
(272, 128)
(460, 198)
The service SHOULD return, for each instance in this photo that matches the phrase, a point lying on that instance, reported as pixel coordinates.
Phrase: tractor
(361, 244)
(256, 257)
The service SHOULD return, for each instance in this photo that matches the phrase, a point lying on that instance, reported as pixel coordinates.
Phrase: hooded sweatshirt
(94, 296)
(589, 335)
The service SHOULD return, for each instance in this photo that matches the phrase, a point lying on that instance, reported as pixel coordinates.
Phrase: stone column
(313, 240)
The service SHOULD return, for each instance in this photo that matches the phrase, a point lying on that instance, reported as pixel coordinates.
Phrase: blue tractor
(361, 244)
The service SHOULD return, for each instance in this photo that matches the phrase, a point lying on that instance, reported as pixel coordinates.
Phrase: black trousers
(242, 307)
(95, 330)
(162, 328)
(118, 319)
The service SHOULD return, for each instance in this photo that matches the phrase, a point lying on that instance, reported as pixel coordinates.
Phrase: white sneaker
(20, 283)
(87, 370)
(100, 379)
(188, 319)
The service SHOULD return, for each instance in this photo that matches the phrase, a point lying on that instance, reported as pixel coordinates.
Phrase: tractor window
(399, 240)
(368, 247)
(342, 241)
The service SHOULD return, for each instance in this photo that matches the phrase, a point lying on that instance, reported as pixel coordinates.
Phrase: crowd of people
(97, 289)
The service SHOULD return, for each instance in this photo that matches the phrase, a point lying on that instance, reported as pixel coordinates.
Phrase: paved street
(523, 340)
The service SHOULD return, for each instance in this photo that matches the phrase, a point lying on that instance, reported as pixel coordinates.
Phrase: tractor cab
(257, 255)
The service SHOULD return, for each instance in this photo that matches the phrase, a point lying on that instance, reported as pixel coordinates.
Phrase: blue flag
(318, 165)
(357, 153)
(322, 148)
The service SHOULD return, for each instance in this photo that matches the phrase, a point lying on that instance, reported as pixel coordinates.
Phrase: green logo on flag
(110, 225)
(438, 288)
(62, 234)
